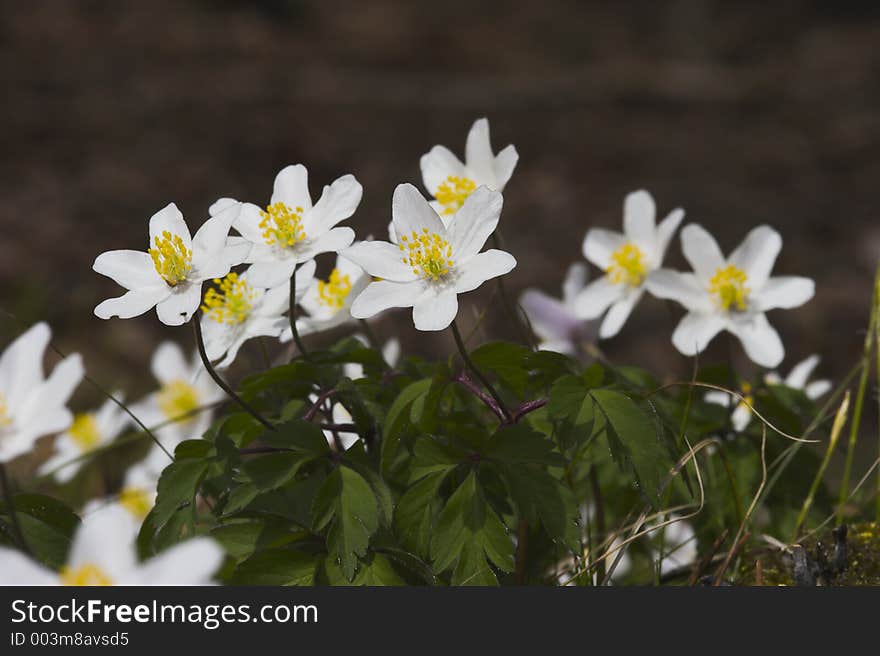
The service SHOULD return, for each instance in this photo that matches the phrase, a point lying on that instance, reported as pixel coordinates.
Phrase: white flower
(731, 294)
(679, 545)
(89, 431)
(236, 311)
(103, 553)
(30, 405)
(185, 387)
(390, 353)
(290, 230)
(451, 182)
(799, 379)
(328, 302)
(553, 320)
(432, 264)
(137, 497)
(627, 260)
(170, 274)
(742, 413)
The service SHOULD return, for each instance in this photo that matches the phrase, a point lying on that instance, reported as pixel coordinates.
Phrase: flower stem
(200, 343)
(13, 513)
(293, 329)
(470, 365)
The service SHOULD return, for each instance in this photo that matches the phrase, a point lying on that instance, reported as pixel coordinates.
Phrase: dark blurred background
(740, 112)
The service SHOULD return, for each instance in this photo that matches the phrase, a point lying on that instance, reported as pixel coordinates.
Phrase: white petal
(193, 562)
(292, 187)
(600, 244)
(169, 364)
(18, 569)
(618, 313)
(335, 240)
(474, 222)
(482, 267)
(639, 212)
(56, 390)
(248, 223)
(169, 218)
(222, 205)
(21, 365)
(271, 273)
(210, 239)
(760, 340)
(680, 287)
(380, 259)
(505, 163)
(338, 202)
(437, 165)
(741, 417)
(784, 292)
(665, 231)
(179, 307)
(575, 279)
(130, 269)
(695, 331)
(105, 540)
(133, 303)
(435, 311)
(595, 298)
(701, 251)
(757, 254)
(218, 337)
(383, 294)
(550, 319)
(718, 397)
(478, 153)
(391, 351)
(236, 251)
(818, 388)
(411, 213)
(801, 372)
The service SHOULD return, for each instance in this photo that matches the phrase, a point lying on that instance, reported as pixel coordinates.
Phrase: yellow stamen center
(178, 398)
(748, 400)
(334, 292)
(84, 432)
(728, 285)
(627, 266)
(171, 257)
(136, 500)
(231, 302)
(429, 255)
(282, 225)
(5, 419)
(452, 193)
(88, 574)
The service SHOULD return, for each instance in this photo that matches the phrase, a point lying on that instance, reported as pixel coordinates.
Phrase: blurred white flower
(30, 404)
(137, 497)
(390, 353)
(170, 274)
(328, 302)
(291, 230)
(103, 553)
(731, 294)
(235, 311)
(450, 181)
(627, 259)
(742, 414)
(185, 389)
(89, 431)
(799, 379)
(431, 265)
(679, 545)
(553, 320)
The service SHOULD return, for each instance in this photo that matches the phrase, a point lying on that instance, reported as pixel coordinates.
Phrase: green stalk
(292, 313)
(836, 429)
(870, 337)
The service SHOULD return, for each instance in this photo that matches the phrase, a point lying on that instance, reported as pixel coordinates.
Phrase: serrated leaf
(396, 419)
(519, 444)
(414, 514)
(539, 496)
(241, 539)
(276, 567)
(346, 506)
(377, 571)
(299, 436)
(177, 486)
(507, 361)
(48, 526)
(273, 470)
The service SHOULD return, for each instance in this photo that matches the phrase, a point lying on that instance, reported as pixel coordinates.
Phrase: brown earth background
(742, 113)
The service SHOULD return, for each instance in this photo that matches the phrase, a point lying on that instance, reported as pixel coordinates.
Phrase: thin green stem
(13, 513)
(479, 374)
(200, 343)
(293, 328)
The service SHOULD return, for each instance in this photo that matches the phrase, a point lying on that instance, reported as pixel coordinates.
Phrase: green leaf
(241, 539)
(177, 487)
(433, 456)
(48, 526)
(414, 514)
(377, 571)
(396, 420)
(346, 506)
(300, 436)
(273, 470)
(507, 361)
(468, 534)
(637, 434)
(518, 443)
(384, 496)
(540, 496)
(276, 567)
